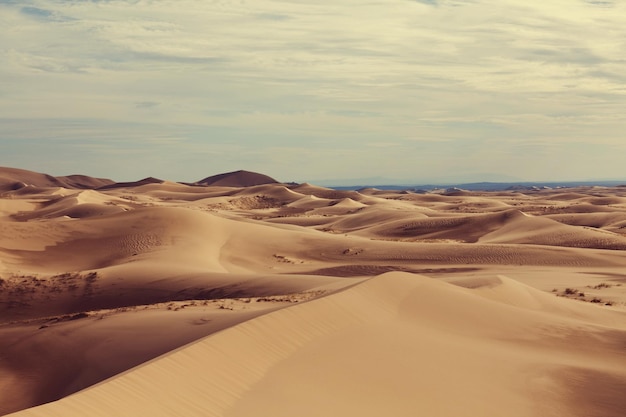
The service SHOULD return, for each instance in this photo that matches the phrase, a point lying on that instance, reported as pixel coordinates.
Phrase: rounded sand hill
(243, 296)
(239, 178)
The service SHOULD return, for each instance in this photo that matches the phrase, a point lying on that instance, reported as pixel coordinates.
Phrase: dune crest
(447, 334)
(239, 295)
(239, 178)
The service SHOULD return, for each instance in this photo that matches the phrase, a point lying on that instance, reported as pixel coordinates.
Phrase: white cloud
(449, 71)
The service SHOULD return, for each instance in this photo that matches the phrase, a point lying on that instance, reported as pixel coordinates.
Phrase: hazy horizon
(360, 182)
(418, 91)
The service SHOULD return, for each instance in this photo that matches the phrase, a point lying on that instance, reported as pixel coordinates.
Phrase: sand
(237, 295)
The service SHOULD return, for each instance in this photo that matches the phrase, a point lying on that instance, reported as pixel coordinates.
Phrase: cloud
(36, 12)
(146, 104)
(600, 3)
(307, 74)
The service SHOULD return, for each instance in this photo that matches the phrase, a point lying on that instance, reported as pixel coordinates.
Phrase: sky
(412, 91)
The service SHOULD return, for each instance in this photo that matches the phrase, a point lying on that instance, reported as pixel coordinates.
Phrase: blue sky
(418, 91)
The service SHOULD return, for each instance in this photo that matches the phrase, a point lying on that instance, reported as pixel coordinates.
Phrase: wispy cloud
(348, 75)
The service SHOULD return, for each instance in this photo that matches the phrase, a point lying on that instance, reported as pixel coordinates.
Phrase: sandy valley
(238, 295)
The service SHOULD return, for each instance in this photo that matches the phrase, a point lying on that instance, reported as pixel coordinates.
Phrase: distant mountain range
(14, 178)
(488, 186)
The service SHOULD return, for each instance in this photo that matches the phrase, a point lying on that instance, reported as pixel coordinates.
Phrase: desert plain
(238, 295)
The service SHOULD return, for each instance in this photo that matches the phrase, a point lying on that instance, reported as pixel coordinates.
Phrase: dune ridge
(15, 178)
(495, 338)
(275, 295)
(239, 178)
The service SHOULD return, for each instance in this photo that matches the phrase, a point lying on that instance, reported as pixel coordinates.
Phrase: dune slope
(415, 346)
(242, 296)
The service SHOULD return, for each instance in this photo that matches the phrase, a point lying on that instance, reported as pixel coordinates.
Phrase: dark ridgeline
(239, 178)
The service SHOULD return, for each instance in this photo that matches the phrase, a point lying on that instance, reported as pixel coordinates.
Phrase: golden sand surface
(158, 298)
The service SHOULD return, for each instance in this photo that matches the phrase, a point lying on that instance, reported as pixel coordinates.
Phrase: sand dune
(328, 193)
(87, 203)
(145, 181)
(596, 220)
(238, 295)
(239, 178)
(83, 349)
(14, 178)
(404, 338)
